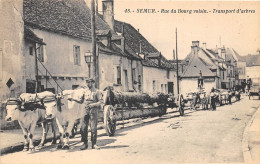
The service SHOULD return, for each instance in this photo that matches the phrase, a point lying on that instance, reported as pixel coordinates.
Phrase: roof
(103, 32)
(195, 66)
(240, 58)
(153, 54)
(133, 38)
(70, 17)
(232, 54)
(149, 63)
(30, 35)
(252, 60)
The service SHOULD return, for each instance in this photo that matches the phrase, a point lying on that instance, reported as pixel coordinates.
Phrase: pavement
(252, 136)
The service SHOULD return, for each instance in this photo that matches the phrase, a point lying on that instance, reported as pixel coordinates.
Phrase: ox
(29, 111)
(67, 116)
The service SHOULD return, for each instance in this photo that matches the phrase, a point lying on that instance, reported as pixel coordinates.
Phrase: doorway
(170, 87)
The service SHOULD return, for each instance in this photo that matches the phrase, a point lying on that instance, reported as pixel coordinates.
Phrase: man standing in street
(213, 99)
(93, 100)
(229, 96)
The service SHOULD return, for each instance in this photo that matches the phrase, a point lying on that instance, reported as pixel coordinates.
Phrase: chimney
(108, 12)
(223, 52)
(195, 47)
(219, 52)
(138, 30)
(123, 39)
(204, 45)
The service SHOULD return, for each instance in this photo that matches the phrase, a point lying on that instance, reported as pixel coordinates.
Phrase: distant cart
(254, 91)
(194, 99)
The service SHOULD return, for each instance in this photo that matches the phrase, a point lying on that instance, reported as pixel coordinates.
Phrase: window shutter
(115, 74)
(74, 54)
(78, 54)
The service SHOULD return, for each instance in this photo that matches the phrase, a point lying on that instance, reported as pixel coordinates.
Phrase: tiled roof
(149, 63)
(103, 32)
(104, 48)
(153, 54)
(133, 38)
(131, 52)
(194, 67)
(70, 17)
(30, 35)
(252, 60)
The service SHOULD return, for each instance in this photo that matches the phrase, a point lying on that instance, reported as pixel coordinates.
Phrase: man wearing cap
(93, 100)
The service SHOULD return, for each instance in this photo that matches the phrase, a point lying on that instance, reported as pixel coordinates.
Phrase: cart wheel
(109, 120)
(181, 105)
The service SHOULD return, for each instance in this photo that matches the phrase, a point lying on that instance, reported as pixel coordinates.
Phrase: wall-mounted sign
(9, 83)
(209, 79)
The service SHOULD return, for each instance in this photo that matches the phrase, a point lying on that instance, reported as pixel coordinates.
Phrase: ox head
(27, 101)
(51, 104)
(12, 107)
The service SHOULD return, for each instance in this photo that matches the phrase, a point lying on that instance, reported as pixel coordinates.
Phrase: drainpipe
(36, 70)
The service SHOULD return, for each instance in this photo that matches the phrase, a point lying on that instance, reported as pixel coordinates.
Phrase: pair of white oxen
(30, 109)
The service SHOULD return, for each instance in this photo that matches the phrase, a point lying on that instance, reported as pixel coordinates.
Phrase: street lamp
(88, 60)
(200, 79)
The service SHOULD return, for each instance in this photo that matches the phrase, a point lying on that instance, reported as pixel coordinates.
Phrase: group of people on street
(214, 97)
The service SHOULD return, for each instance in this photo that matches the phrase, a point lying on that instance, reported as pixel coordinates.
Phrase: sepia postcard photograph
(129, 81)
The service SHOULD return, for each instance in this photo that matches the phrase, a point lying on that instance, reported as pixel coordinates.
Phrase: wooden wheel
(109, 120)
(181, 105)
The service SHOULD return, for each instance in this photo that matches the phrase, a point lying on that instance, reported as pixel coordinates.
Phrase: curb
(245, 145)
(19, 146)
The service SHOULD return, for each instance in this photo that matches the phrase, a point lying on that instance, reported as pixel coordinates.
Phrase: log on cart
(129, 105)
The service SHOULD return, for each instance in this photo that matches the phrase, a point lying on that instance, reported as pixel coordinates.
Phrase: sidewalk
(253, 137)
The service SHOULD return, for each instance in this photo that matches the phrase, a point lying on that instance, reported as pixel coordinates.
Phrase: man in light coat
(93, 100)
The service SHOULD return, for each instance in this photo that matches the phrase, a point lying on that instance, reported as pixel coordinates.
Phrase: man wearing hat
(93, 100)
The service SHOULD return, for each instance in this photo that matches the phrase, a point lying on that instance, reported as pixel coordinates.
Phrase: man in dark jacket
(213, 99)
(93, 99)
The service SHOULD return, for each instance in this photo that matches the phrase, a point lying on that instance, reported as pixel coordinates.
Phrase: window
(134, 75)
(162, 88)
(223, 75)
(76, 53)
(40, 53)
(153, 85)
(75, 87)
(118, 68)
(200, 83)
(31, 50)
(139, 82)
(168, 74)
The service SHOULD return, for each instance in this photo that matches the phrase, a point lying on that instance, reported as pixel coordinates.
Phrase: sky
(240, 31)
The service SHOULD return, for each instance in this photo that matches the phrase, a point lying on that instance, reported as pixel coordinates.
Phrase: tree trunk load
(134, 98)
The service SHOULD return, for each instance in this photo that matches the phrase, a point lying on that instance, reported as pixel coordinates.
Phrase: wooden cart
(127, 105)
(254, 91)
